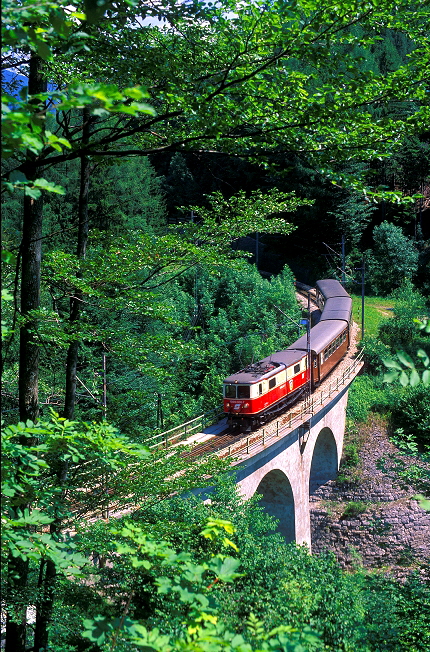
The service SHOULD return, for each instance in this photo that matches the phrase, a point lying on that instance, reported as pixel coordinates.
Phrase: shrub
(411, 413)
(401, 331)
(354, 509)
(349, 472)
(374, 352)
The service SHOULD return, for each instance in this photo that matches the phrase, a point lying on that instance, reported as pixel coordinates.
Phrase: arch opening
(278, 500)
(324, 465)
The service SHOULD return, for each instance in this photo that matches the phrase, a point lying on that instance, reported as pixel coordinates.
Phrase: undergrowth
(349, 472)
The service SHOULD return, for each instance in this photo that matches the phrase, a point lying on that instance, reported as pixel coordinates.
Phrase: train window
(272, 383)
(260, 388)
(296, 368)
(230, 391)
(243, 391)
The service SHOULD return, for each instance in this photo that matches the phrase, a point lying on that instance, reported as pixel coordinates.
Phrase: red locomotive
(264, 389)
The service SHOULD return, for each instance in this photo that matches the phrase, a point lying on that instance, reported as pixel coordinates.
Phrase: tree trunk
(76, 300)
(31, 256)
(45, 604)
(28, 382)
(16, 618)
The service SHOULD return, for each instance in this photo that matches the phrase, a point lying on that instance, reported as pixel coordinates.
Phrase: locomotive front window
(243, 391)
(230, 391)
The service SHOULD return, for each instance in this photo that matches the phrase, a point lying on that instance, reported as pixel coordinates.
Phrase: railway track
(215, 444)
(227, 438)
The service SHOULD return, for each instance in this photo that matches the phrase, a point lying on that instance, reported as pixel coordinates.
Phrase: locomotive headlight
(227, 405)
(245, 405)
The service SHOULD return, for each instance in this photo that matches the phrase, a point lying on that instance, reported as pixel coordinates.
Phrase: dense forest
(169, 171)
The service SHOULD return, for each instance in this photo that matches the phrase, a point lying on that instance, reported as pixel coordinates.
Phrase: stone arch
(278, 500)
(324, 464)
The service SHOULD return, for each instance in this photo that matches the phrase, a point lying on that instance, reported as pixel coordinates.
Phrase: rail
(261, 437)
(184, 430)
(292, 418)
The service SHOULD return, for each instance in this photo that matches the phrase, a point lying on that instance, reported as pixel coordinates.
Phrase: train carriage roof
(331, 288)
(337, 308)
(273, 364)
(321, 335)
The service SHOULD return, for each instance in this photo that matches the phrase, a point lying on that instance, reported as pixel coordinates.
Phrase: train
(264, 389)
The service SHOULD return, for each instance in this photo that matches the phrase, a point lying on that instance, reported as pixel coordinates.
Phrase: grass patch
(354, 508)
(333, 508)
(367, 393)
(376, 310)
(349, 472)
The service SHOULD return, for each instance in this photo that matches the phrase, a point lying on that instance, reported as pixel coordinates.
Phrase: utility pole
(343, 260)
(104, 386)
(160, 420)
(362, 298)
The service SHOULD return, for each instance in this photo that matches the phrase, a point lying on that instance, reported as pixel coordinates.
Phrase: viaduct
(287, 470)
(288, 459)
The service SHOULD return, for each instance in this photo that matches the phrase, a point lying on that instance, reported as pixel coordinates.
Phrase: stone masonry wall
(393, 532)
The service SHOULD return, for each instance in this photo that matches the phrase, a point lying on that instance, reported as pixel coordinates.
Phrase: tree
(200, 630)
(245, 94)
(57, 473)
(393, 259)
(25, 137)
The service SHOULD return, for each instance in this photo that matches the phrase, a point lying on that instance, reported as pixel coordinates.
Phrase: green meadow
(376, 310)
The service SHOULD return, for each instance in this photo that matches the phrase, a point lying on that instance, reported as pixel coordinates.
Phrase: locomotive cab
(261, 389)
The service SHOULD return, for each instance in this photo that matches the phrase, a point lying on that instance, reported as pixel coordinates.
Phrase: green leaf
(136, 92)
(8, 257)
(49, 186)
(16, 175)
(391, 376)
(422, 354)
(43, 50)
(226, 568)
(140, 563)
(404, 380)
(97, 629)
(405, 359)
(391, 364)
(95, 9)
(424, 502)
(34, 193)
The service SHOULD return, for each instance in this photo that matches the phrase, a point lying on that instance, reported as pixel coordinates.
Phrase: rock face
(373, 521)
